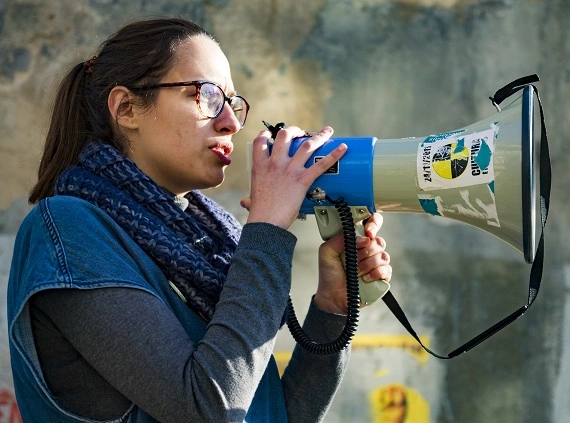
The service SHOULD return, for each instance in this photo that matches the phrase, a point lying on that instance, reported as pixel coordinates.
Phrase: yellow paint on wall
(398, 404)
(405, 342)
(282, 358)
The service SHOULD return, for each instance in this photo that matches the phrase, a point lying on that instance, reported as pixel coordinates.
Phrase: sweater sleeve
(134, 342)
(310, 381)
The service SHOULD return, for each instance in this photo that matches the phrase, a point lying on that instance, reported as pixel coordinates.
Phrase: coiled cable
(353, 298)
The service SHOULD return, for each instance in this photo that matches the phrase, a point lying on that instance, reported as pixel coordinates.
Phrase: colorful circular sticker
(451, 160)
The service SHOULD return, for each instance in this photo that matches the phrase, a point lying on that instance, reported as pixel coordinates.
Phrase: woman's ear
(121, 107)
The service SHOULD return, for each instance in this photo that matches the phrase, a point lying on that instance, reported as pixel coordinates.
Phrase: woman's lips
(225, 159)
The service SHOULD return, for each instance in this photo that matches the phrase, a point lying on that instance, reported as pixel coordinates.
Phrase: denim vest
(41, 261)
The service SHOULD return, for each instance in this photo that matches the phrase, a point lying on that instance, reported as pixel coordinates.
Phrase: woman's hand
(279, 183)
(373, 264)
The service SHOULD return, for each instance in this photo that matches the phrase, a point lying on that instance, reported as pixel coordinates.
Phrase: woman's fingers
(260, 146)
(373, 225)
(245, 203)
(373, 260)
(282, 146)
(279, 182)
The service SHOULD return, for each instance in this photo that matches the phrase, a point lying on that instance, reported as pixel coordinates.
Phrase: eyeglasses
(210, 98)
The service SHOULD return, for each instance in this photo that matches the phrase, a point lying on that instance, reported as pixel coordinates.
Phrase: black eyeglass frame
(198, 85)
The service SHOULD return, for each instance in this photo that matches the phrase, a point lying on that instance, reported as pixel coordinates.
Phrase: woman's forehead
(201, 58)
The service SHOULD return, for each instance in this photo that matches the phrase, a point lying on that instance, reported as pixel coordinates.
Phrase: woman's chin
(215, 181)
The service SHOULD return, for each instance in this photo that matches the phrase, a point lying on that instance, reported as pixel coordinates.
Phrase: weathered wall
(388, 68)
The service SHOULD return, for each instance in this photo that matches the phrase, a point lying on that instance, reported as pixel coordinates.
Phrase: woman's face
(173, 143)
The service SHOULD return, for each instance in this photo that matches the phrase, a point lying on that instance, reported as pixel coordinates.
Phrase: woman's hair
(139, 53)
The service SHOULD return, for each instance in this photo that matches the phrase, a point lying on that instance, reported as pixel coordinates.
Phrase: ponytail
(67, 134)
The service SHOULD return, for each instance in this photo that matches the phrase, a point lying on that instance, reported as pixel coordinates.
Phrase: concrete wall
(387, 68)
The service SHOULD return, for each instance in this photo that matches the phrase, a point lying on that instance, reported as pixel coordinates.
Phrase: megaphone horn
(482, 175)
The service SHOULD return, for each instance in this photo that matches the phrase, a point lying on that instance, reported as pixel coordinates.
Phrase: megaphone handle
(372, 291)
(329, 224)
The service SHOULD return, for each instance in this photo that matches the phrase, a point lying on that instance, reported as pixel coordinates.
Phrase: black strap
(537, 266)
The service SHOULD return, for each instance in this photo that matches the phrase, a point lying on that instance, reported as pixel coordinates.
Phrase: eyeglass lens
(212, 100)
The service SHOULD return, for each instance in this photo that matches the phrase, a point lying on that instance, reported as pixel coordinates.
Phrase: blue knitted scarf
(192, 247)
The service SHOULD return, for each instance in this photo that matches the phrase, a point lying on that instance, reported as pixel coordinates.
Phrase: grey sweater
(82, 335)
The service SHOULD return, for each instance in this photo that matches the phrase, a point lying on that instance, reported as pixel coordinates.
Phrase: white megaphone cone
(482, 175)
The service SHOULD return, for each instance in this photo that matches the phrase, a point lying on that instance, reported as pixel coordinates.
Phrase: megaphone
(483, 175)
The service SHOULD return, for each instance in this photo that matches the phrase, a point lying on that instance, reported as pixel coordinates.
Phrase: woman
(132, 296)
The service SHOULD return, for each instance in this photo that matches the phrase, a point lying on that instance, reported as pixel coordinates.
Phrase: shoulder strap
(537, 266)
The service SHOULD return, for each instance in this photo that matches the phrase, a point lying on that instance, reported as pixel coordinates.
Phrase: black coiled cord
(353, 299)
